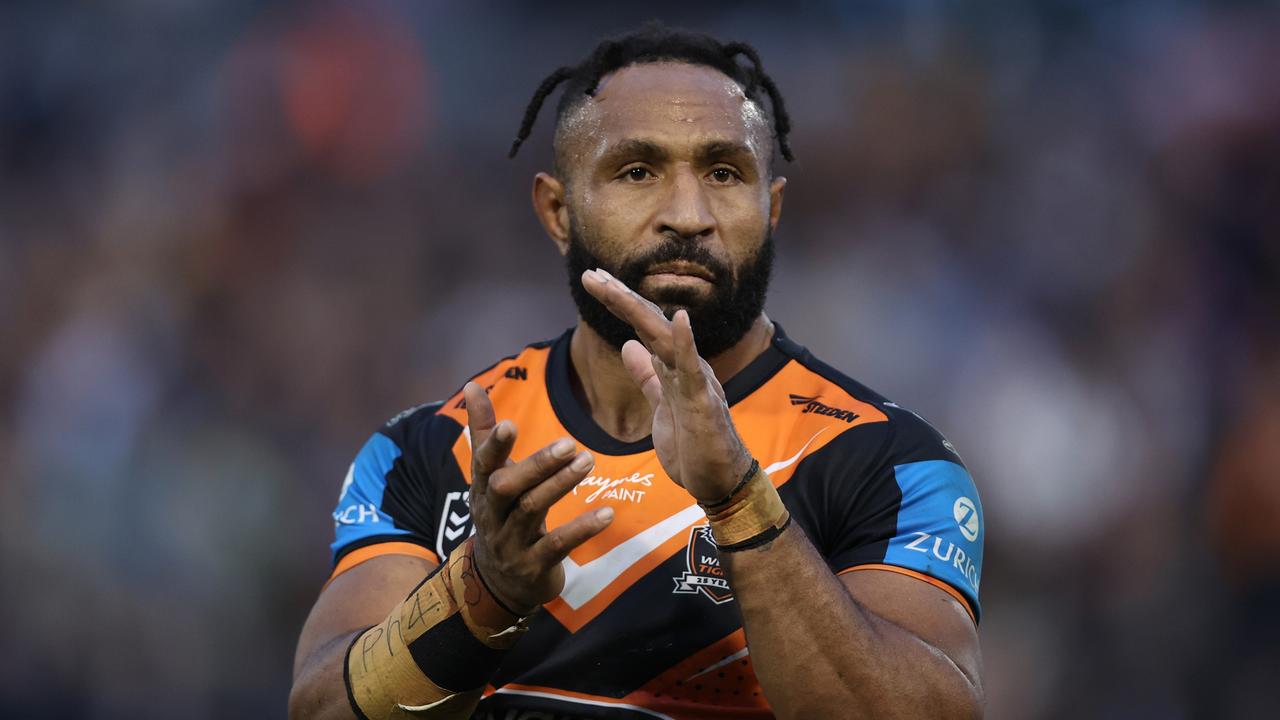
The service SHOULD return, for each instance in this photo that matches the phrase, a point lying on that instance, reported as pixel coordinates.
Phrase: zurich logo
(966, 514)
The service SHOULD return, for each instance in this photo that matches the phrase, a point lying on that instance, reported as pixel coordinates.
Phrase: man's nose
(685, 210)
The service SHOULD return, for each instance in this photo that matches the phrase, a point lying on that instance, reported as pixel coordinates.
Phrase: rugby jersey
(647, 626)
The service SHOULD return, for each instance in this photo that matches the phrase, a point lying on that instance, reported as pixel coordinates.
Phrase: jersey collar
(578, 421)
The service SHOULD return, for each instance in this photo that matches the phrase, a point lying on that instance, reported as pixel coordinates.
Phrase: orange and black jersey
(647, 626)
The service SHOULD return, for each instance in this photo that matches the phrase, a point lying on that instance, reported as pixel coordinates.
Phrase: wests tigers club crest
(705, 574)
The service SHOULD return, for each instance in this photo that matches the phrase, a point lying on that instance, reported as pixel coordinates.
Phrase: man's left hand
(693, 433)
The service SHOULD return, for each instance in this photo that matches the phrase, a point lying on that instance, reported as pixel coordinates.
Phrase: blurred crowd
(235, 237)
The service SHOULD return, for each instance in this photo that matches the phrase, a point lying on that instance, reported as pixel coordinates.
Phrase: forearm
(818, 653)
(431, 655)
(319, 692)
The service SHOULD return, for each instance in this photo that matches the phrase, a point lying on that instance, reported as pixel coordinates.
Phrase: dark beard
(718, 323)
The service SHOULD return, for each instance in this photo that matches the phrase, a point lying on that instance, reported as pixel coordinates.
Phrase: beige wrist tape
(752, 516)
(434, 653)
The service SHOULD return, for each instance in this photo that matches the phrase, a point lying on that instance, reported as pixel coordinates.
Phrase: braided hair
(655, 42)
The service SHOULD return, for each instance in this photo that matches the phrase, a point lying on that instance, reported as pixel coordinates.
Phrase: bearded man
(673, 510)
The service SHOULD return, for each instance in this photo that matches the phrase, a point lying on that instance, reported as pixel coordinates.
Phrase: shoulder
(419, 424)
(407, 474)
(871, 429)
(893, 493)
(508, 381)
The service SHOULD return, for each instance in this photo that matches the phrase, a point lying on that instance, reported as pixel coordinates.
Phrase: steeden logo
(811, 404)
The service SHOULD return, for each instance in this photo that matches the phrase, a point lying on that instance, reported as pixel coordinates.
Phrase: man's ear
(549, 205)
(776, 189)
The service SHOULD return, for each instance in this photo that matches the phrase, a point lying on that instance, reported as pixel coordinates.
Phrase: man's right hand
(518, 559)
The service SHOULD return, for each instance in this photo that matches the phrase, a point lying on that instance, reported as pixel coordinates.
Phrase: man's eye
(723, 175)
(637, 174)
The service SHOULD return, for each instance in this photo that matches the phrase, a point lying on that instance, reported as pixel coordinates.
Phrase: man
(673, 510)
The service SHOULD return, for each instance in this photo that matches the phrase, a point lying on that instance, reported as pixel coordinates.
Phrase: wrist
(751, 515)
(744, 476)
(496, 604)
(436, 650)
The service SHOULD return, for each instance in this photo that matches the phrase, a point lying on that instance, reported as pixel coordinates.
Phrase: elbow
(967, 702)
(297, 700)
(306, 702)
(972, 709)
(969, 705)
(960, 701)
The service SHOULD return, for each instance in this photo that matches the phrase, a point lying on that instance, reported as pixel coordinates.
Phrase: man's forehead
(671, 99)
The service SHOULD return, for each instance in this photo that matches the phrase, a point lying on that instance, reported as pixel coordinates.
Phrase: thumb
(639, 364)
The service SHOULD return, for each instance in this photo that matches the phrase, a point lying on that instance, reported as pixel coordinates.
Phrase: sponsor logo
(966, 514)
(455, 522)
(615, 488)
(584, 582)
(947, 552)
(357, 514)
(704, 574)
(810, 404)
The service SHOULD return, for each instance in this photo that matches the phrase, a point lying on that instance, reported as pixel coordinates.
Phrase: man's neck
(615, 402)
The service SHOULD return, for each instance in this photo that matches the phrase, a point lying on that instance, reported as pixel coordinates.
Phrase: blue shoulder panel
(940, 525)
(359, 514)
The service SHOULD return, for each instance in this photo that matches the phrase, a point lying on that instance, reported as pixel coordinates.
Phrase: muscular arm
(877, 644)
(436, 649)
(356, 599)
(871, 643)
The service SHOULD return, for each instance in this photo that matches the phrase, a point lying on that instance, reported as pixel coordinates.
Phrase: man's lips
(682, 268)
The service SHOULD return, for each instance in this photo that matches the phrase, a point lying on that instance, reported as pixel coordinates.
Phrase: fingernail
(604, 514)
(582, 462)
(562, 448)
(604, 274)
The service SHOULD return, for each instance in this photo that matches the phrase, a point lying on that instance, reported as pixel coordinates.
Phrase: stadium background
(236, 237)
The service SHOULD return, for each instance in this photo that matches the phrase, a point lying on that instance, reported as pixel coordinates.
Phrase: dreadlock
(655, 42)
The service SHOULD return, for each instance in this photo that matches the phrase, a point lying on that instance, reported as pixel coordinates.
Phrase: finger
(556, 545)
(685, 348)
(512, 481)
(480, 416)
(695, 373)
(666, 377)
(531, 508)
(492, 455)
(490, 443)
(639, 364)
(647, 319)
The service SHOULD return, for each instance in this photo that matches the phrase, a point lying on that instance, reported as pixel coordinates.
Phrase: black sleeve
(388, 494)
(894, 494)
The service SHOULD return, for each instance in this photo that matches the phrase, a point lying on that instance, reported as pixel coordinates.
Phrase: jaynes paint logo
(623, 488)
(705, 574)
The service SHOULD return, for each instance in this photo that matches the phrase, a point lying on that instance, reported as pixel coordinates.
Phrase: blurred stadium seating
(234, 239)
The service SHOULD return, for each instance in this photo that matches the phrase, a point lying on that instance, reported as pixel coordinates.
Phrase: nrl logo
(704, 575)
(455, 523)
